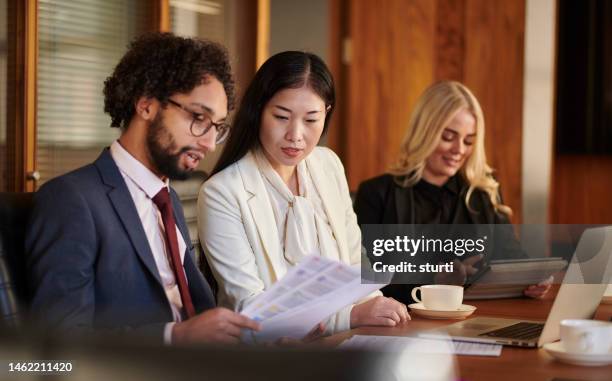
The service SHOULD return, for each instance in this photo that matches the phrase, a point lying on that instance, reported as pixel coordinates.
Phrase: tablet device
(508, 278)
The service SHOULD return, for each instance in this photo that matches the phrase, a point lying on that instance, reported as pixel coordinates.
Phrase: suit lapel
(200, 290)
(179, 218)
(124, 206)
(332, 202)
(261, 210)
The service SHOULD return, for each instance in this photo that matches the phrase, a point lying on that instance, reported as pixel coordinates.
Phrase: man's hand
(217, 325)
(379, 311)
(461, 271)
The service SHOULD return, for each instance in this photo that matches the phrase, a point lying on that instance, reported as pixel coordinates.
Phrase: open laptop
(583, 287)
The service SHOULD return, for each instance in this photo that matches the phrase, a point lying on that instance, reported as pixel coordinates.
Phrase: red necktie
(162, 200)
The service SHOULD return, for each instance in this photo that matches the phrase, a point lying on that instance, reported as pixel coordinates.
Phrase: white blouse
(301, 221)
(253, 229)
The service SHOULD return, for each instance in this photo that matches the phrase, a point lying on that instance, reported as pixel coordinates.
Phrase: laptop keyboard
(521, 331)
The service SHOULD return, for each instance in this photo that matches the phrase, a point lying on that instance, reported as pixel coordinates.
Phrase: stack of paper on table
(420, 345)
(308, 294)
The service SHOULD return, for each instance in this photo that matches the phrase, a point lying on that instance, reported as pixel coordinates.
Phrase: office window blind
(80, 42)
(200, 18)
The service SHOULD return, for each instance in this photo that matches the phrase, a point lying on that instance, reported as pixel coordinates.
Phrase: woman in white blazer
(274, 196)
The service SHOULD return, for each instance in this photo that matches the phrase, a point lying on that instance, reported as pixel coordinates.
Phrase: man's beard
(165, 161)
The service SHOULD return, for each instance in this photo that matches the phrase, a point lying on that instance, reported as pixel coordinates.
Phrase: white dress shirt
(143, 185)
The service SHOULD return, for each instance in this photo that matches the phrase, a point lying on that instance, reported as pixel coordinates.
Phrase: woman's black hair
(286, 70)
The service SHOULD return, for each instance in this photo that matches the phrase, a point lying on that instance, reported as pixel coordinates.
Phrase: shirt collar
(452, 185)
(146, 180)
(274, 178)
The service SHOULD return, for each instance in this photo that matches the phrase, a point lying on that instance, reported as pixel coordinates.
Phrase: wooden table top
(514, 363)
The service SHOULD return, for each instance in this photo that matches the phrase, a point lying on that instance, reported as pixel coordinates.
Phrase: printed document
(307, 295)
(420, 345)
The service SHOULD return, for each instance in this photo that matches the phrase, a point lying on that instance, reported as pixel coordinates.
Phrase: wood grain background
(398, 48)
(581, 189)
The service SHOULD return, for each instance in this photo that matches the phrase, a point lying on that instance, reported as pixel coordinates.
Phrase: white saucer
(460, 313)
(557, 351)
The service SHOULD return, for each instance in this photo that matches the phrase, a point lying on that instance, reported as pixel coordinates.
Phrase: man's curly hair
(159, 65)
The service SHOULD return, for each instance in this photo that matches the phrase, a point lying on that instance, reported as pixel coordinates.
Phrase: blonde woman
(440, 177)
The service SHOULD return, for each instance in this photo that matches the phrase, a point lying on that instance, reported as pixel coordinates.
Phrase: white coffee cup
(439, 297)
(586, 336)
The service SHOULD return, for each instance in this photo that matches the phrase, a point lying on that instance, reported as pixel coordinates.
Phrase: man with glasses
(108, 246)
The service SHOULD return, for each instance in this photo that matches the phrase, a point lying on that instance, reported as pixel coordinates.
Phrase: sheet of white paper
(308, 294)
(420, 345)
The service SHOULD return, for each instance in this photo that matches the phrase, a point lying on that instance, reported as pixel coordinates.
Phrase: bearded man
(107, 245)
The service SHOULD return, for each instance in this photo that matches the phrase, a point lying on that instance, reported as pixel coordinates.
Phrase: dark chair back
(14, 295)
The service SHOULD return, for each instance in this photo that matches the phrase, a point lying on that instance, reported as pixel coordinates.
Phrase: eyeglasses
(202, 123)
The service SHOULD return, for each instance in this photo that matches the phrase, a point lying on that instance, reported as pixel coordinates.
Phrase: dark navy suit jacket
(89, 262)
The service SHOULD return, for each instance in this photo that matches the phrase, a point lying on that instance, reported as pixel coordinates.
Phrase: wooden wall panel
(581, 190)
(21, 97)
(392, 51)
(336, 134)
(494, 35)
(245, 29)
(450, 40)
(399, 47)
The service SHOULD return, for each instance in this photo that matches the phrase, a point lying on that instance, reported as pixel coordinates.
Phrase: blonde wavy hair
(433, 112)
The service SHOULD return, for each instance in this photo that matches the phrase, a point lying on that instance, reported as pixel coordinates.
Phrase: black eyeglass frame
(221, 128)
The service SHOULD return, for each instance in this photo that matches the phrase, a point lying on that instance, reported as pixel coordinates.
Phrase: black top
(438, 205)
(382, 200)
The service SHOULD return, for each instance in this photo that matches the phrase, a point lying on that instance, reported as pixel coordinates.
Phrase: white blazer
(239, 233)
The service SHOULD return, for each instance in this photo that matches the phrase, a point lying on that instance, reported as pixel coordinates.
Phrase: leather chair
(14, 295)
(188, 191)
